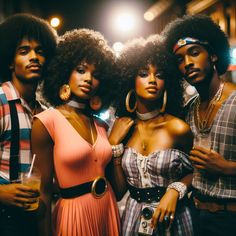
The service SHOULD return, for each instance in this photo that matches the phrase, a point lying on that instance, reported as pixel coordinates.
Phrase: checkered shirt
(223, 139)
(161, 168)
(7, 93)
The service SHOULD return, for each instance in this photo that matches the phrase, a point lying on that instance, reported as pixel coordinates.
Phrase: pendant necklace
(144, 143)
(145, 117)
(74, 118)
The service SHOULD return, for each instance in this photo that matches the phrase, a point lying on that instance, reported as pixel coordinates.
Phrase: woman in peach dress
(71, 144)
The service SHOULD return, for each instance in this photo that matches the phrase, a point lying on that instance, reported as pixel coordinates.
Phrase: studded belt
(146, 194)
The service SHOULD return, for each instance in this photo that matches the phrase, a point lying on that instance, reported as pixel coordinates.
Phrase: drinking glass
(203, 140)
(32, 179)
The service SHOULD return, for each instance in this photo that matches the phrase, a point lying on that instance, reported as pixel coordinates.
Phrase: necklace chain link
(202, 124)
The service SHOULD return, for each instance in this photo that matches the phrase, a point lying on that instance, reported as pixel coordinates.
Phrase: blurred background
(121, 20)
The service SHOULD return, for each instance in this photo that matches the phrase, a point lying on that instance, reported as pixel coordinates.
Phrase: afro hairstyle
(138, 54)
(74, 47)
(203, 28)
(17, 27)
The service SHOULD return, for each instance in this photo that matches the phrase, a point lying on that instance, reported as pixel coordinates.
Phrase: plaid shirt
(161, 168)
(25, 115)
(223, 141)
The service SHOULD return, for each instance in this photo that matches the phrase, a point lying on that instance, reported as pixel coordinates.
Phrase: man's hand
(18, 195)
(208, 160)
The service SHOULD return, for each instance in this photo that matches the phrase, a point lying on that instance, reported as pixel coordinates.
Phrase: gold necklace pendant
(142, 132)
(202, 123)
(144, 145)
(91, 131)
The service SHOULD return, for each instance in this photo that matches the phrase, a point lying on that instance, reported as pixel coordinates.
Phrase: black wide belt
(96, 187)
(146, 194)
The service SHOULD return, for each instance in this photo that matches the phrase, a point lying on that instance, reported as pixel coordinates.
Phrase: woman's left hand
(165, 211)
(120, 129)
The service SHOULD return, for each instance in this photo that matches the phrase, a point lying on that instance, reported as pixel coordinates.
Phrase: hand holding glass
(32, 179)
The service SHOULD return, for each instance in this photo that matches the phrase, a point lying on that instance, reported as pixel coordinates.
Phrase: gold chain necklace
(202, 125)
(144, 143)
(73, 118)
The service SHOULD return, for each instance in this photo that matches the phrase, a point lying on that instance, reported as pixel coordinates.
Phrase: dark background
(93, 14)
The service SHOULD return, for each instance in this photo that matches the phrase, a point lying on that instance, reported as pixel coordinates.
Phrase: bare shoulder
(178, 127)
(181, 133)
(39, 131)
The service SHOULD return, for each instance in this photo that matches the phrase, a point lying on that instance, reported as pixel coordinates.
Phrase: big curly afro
(201, 27)
(138, 54)
(74, 47)
(17, 27)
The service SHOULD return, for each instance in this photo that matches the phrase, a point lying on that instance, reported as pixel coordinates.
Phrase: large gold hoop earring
(95, 103)
(127, 101)
(163, 108)
(65, 92)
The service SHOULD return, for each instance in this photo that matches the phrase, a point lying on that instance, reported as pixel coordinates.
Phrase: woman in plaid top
(154, 166)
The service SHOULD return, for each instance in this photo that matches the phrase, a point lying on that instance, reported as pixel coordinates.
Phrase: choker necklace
(75, 104)
(148, 115)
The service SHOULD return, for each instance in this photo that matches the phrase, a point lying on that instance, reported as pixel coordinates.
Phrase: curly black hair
(138, 54)
(201, 27)
(17, 27)
(74, 47)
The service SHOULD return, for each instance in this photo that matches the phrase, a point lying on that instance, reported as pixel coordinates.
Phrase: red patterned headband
(185, 41)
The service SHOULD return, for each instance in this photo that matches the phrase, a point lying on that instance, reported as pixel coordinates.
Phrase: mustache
(190, 70)
(33, 64)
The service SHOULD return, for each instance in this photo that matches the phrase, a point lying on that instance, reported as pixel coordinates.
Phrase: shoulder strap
(14, 149)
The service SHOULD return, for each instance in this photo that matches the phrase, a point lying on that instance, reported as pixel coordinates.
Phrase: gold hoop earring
(164, 102)
(64, 92)
(127, 100)
(95, 103)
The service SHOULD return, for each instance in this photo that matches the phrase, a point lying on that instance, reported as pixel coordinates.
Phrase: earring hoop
(95, 103)
(65, 92)
(164, 102)
(127, 102)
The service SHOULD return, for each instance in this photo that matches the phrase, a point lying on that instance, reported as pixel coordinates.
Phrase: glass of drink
(203, 140)
(33, 180)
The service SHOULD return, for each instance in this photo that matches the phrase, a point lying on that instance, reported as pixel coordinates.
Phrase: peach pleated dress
(76, 161)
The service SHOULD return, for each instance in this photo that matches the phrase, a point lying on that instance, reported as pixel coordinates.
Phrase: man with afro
(201, 49)
(26, 45)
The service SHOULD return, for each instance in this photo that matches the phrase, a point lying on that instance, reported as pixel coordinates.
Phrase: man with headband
(202, 55)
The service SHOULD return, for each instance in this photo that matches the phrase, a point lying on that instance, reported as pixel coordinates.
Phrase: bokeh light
(55, 22)
(125, 22)
(117, 47)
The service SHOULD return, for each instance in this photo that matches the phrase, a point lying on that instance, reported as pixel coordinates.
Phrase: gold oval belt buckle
(99, 187)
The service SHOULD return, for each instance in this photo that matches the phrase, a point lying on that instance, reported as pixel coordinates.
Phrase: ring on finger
(167, 219)
(171, 217)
